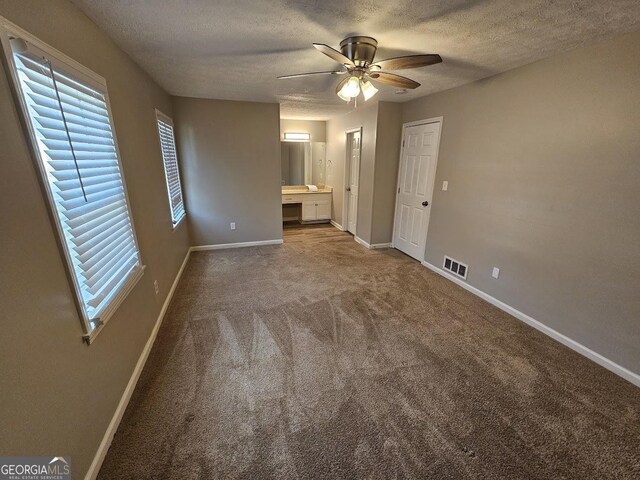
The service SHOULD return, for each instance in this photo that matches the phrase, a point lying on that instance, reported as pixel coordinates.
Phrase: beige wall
(317, 129)
(381, 137)
(230, 160)
(57, 394)
(388, 141)
(543, 165)
(367, 118)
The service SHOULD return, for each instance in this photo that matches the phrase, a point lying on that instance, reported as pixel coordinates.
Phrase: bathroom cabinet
(315, 206)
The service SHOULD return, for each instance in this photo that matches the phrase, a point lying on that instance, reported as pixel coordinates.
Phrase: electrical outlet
(156, 287)
(496, 272)
(445, 185)
(233, 225)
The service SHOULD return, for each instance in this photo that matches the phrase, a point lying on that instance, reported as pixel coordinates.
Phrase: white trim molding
(361, 241)
(572, 344)
(375, 246)
(337, 225)
(221, 246)
(12, 28)
(371, 246)
(89, 338)
(94, 469)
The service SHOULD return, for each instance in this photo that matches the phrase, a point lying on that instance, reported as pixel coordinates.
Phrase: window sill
(115, 304)
(175, 226)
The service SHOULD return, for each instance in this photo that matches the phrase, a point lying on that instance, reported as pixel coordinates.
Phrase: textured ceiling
(235, 49)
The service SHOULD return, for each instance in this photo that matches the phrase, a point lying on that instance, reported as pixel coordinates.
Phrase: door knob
(425, 204)
(348, 189)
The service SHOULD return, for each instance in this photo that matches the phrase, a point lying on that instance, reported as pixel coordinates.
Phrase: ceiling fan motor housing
(361, 50)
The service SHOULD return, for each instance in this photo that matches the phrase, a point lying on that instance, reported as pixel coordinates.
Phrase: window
(171, 172)
(67, 112)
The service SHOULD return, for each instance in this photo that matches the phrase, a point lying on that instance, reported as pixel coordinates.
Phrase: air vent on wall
(457, 268)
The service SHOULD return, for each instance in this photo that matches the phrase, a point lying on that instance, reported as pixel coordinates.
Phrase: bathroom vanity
(304, 163)
(298, 203)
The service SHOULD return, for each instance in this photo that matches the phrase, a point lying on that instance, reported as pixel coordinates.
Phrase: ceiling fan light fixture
(368, 90)
(356, 58)
(351, 88)
(342, 97)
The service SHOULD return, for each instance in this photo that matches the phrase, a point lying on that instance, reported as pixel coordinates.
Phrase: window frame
(160, 116)
(69, 66)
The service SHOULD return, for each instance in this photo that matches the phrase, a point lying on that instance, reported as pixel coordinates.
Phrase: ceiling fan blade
(341, 84)
(334, 54)
(297, 75)
(393, 79)
(410, 61)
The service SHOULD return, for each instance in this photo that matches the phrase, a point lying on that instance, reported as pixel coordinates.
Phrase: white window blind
(171, 172)
(72, 131)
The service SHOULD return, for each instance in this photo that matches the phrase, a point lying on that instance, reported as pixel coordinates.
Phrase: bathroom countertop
(290, 191)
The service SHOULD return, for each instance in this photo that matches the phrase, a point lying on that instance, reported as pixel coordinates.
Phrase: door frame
(347, 178)
(433, 180)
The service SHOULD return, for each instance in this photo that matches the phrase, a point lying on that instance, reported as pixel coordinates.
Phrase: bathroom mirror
(303, 163)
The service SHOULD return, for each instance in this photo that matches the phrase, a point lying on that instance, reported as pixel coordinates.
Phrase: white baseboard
(221, 246)
(371, 246)
(375, 246)
(572, 344)
(361, 241)
(94, 469)
(337, 225)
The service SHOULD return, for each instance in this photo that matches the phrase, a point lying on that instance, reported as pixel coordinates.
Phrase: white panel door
(354, 180)
(415, 188)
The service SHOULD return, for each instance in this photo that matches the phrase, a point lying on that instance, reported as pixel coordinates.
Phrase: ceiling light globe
(342, 97)
(351, 89)
(368, 90)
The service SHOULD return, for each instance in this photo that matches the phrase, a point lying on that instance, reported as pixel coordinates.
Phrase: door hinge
(403, 143)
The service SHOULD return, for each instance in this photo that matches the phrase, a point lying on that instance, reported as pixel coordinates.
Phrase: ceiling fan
(356, 57)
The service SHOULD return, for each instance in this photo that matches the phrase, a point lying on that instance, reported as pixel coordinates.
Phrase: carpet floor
(321, 359)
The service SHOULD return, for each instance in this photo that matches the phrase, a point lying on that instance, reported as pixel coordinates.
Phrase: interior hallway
(322, 359)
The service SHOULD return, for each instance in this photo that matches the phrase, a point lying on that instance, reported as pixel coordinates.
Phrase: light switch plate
(445, 185)
(496, 272)
(233, 225)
